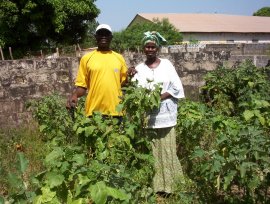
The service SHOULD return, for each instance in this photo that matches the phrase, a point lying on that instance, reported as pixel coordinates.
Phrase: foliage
(233, 91)
(103, 161)
(52, 117)
(265, 11)
(131, 37)
(32, 25)
(138, 102)
(192, 129)
(223, 145)
(102, 166)
(227, 137)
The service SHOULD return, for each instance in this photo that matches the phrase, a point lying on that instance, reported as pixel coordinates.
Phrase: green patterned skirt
(167, 165)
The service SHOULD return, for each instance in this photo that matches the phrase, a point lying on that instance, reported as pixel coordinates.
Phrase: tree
(265, 11)
(132, 36)
(33, 24)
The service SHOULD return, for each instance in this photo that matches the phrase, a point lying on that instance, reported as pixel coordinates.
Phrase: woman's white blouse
(166, 75)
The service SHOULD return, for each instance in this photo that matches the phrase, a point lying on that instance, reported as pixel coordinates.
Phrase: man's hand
(73, 99)
(72, 102)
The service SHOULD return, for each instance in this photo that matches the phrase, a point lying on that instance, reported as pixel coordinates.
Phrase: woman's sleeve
(174, 87)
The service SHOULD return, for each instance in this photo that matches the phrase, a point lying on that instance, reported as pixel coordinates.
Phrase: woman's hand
(165, 96)
(131, 71)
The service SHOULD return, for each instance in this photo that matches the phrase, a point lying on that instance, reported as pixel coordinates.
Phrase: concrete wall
(21, 80)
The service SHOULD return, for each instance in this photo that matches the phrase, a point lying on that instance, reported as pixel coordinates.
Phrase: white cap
(103, 26)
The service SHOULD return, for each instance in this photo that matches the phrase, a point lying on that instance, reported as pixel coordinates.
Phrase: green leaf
(2, 201)
(65, 166)
(54, 179)
(248, 114)
(244, 167)
(54, 155)
(14, 180)
(251, 84)
(118, 194)
(47, 195)
(216, 166)
(23, 162)
(261, 103)
(228, 179)
(79, 159)
(130, 131)
(98, 192)
(42, 127)
(261, 119)
(254, 182)
(78, 201)
(89, 130)
(119, 108)
(81, 182)
(198, 153)
(79, 130)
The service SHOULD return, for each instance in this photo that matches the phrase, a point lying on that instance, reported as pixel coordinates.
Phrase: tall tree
(265, 11)
(31, 24)
(131, 37)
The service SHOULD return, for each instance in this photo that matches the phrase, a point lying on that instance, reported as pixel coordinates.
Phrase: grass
(26, 139)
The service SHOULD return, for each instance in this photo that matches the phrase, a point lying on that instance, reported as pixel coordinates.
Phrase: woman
(162, 121)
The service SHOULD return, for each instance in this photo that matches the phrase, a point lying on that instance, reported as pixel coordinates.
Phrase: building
(214, 28)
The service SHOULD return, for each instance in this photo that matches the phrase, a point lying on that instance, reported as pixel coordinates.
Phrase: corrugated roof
(213, 22)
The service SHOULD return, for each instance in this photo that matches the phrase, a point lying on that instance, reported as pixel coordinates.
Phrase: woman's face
(150, 49)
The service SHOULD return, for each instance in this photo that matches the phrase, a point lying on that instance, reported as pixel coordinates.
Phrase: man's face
(103, 38)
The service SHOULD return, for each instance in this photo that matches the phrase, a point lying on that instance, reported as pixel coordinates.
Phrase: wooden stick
(10, 53)
(79, 47)
(1, 51)
(75, 49)
(57, 52)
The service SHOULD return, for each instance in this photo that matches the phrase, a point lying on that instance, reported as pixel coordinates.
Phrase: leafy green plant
(232, 91)
(137, 103)
(108, 162)
(53, 118)
(234, 163)
(192, 129)
(223, 142)
(19, 182)
(240, 158)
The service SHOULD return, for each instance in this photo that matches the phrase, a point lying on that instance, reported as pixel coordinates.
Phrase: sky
(119, 13)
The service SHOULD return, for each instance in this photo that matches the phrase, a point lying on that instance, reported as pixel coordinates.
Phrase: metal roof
(211, 22)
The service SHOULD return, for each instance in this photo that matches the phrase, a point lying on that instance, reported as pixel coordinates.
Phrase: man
(101, 73)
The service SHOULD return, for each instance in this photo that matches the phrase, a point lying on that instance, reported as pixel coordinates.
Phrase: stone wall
(22, 80)
(193, 61)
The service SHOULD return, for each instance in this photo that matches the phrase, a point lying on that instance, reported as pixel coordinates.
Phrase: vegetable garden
(223, 145)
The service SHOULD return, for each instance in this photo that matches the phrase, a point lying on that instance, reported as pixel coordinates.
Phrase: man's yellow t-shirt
(102, 73)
